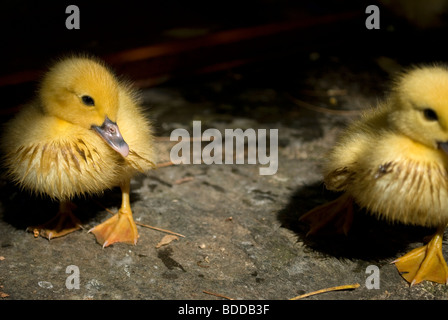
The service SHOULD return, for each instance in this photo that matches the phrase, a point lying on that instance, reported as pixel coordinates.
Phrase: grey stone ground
(242, 235)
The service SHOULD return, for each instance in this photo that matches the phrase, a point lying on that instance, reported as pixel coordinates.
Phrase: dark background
(33, 34)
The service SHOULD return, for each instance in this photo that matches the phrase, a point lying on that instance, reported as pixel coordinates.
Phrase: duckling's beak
(443, 146)
(111, 134)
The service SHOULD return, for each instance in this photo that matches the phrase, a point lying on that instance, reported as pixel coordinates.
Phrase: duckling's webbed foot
(335, 216)
(60, 225)
(425, 263)
(121, 227)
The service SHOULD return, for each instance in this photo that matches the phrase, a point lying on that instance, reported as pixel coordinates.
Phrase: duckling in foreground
(84, 133)
(394, 162)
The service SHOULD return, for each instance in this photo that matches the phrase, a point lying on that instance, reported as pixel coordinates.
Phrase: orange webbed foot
(336, 215)
(63, 223)
(424, 263)
(121, 227)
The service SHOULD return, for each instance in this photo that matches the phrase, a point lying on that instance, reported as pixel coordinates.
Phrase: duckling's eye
(430, 114)
(88, 100)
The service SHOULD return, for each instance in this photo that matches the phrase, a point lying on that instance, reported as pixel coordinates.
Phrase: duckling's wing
(136, 129)
(356, 151)
(346, 160)
(339, 179)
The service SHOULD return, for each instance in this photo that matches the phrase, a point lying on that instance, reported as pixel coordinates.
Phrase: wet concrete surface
(242, 238)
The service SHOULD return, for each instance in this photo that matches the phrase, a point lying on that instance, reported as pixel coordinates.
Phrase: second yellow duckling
(84, 133)
(394, 163)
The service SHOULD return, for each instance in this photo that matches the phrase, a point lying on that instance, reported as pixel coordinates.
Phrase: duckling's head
(83, 92)
(420, 106)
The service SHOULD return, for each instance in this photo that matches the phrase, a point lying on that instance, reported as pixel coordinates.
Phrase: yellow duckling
(394, 163)
(84, 133)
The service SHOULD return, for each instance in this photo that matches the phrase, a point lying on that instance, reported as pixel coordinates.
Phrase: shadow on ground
(21, 209)
(368, 239)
